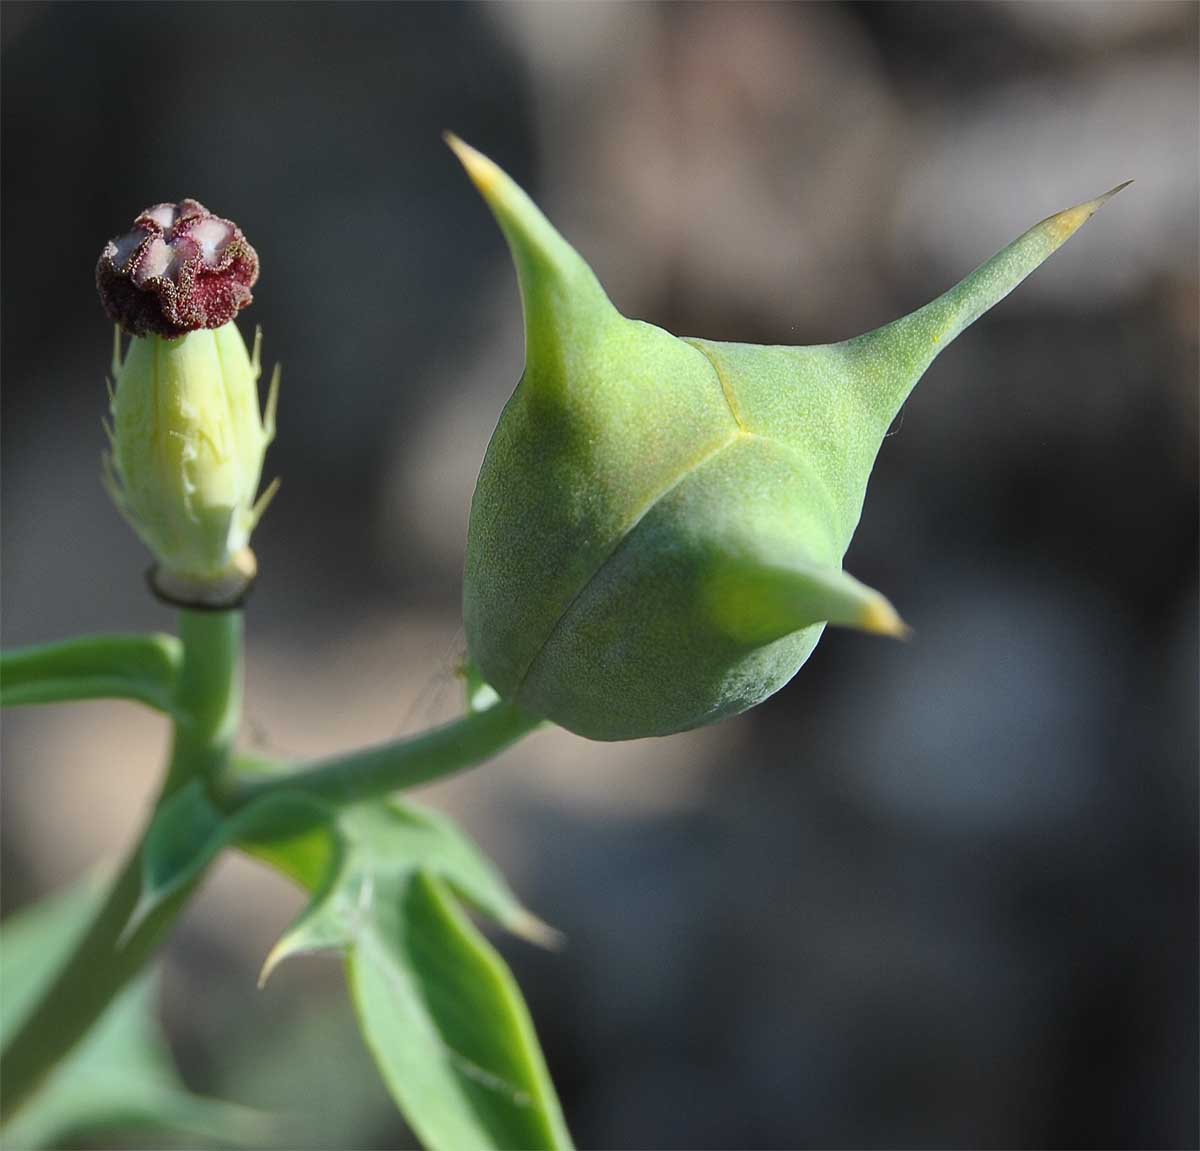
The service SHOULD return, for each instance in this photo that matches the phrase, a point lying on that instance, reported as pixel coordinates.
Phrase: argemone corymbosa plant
(656, 542)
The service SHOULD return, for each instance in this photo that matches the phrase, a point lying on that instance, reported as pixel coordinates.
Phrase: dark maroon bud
(181, 268)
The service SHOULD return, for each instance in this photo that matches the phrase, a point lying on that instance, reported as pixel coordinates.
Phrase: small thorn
(272, 400)
(264, 501)
(533, 930)
(483, 172)
(145, 905)
(275, 957)
(1112, 192)
(880, 618)
(256, 353)
(283, 950)
(112, 485)
(1063, 225)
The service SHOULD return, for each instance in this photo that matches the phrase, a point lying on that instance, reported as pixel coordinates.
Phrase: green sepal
(833, 403)
(757, 603)
(188, 442)
(565, 306)
(603, 397)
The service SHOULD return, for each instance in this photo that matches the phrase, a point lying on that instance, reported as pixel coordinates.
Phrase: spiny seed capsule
(657, 532)
(187, 436)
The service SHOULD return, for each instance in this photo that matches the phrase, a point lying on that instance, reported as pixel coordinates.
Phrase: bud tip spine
(880, 618)
(483, 172)
(537, 931)
(1063, 225)
(272, 405)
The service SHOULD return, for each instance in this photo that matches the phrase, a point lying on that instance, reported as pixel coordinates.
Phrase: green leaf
(35, 942)
(121, 1075)
(439, 1009)
(136, 667)
(189, 831)
(446, 1023)
(402, 837)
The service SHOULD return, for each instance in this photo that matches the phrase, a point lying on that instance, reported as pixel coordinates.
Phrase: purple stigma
(180, 269)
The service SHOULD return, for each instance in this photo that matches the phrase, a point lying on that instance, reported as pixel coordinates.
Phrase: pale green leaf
(445, 1021)
(438, 1007)
(189, 831)
(121, 1075)
(403, 837)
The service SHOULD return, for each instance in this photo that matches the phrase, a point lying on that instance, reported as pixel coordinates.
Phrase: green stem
(137, 667)
(207, 702)
(377, 771)
(209, 694)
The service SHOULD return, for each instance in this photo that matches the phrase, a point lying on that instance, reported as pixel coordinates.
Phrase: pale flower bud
(187, 435)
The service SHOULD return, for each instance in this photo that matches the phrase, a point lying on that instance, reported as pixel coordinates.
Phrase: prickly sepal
(187, 447)
(658, 527)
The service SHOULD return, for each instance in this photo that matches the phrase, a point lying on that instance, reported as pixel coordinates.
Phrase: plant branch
(206, 703)
(209, 696)
(389, 767)
(143, 668)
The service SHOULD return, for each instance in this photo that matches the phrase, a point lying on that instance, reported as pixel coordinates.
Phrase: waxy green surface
(188, 443)
(658, 527)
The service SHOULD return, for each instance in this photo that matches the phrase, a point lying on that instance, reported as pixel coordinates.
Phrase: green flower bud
(657, 531)
(188, 443)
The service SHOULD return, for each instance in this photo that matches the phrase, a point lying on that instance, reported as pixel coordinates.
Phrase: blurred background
(933, 894)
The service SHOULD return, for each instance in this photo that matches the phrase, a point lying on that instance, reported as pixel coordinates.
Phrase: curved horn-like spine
(758, 603)
(893, 358)
(835, 402)
(561, 296)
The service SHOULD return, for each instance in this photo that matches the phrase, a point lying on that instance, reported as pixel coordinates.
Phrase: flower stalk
(387, 768)
(207, 704)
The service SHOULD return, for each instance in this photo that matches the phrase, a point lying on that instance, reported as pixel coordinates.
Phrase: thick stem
(208, 700)
(390, 767)
(209, 695)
